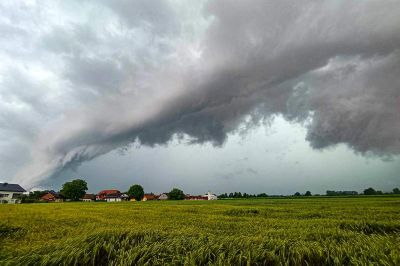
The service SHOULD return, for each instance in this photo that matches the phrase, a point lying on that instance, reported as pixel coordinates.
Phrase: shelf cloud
(80, 79)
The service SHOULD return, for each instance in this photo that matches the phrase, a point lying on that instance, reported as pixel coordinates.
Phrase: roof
(51, 195)
(109, 191)
(11, 187)
(113, 196)
(89, 196)
(150, 196)
(54, 193)
(189, 197)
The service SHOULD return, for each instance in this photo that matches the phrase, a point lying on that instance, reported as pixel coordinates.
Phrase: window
(16, 195)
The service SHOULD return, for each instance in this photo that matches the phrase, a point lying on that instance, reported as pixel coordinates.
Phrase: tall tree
(308, 193)
(136, 191)
(396, 190)
(74, 189)
(369, 191)
(176, 194)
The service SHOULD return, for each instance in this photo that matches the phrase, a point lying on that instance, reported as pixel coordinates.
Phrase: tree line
(75, 190)
(137, 192)
(367, 191)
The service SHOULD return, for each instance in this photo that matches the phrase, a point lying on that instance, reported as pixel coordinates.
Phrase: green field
(304, 231)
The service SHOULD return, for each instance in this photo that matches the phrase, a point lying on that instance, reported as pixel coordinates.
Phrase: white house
(163, 196)
(117, 197)
(89, 198)
(211, 196)
(10, 193)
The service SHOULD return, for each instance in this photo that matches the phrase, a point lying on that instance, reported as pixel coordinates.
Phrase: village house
(10, 193)
(163, 196)
(117, 197)
(211, 196)
(112, 195)
(147, 197)
(52, 196)
(104, 193)
(207, 196)
(190, 197)
(89, 197)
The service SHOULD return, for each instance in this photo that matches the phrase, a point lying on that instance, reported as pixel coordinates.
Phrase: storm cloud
(78, 80)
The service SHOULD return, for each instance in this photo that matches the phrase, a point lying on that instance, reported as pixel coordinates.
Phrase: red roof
(50, 197)
(150, 196)
(189, 197)
(109, 191)
(89, 196)
(102, 194)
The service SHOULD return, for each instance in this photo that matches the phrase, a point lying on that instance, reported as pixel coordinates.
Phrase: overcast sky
(252, 96)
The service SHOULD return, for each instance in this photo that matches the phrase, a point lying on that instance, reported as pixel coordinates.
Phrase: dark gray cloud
(363, 111)
(143, 71)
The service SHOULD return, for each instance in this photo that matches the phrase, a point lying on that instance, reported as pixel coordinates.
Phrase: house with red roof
(112, 195)
(147, 197)
(52, 196)
(190, 197)
(89, 197)
(107, 192)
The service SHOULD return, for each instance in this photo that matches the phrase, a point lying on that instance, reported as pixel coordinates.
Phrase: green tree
(136, 191)
(331, 193)
(396, 190)
(308, 193)
(74, 189)
(176, 194)
(297, 194)
(369, 191)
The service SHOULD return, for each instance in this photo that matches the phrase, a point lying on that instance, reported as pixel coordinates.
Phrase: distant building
(116, 197)
(190, 197)
(211, 196)
(147, 197)
(52, 196)
(207, 196)
(163, 196)
(10, 193)
(89, 197)
(104, 193)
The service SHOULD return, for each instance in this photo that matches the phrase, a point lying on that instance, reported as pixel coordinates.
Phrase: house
(207, 196)
(52, 196)
(210, 196)
(163, 196)
(104, 193)
(89, 197)
(10, 193)
(190, 197)
(116, 197)
(147, 197)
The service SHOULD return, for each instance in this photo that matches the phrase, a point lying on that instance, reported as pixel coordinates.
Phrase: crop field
(304, 231)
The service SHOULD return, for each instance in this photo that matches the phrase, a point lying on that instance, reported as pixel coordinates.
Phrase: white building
(211, 196)
(163, 196)
(10, 193)
(117, 197)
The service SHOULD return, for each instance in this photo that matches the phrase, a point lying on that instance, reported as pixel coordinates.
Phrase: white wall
(10, 197)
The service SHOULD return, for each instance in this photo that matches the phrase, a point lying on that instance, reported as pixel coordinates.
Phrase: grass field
(307, 231)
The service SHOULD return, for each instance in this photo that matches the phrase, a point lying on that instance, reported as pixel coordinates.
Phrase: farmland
(316, 230)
